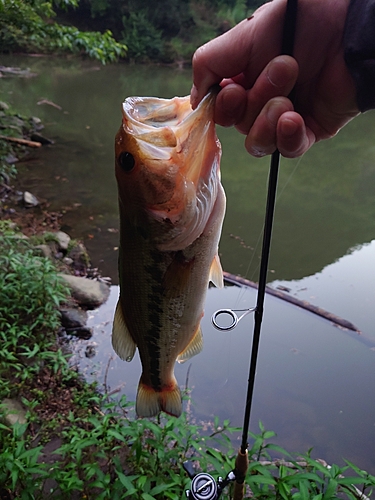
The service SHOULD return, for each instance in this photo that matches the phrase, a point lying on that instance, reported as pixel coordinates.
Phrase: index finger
(215, 60)
(241, 52)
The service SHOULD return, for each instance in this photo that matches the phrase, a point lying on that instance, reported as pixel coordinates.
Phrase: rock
(88, 293)
(73, 318)
(20, 236)
(79, 256)
(63, 239)
(6, 178)
(17, 122)
(30, 200)
(83, 333)
(13, 412)
(11, 159)
(4, 106)
(45, 250)
(37, 122)
(90, 351)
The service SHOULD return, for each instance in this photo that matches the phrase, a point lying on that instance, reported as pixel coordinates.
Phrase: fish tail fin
(150, 402)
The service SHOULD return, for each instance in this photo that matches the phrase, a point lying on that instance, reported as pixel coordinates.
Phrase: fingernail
(257, 152)
(194, 97)
(279, 73)
(289, 127)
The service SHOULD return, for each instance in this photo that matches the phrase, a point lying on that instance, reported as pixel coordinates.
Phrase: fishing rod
(203, 485)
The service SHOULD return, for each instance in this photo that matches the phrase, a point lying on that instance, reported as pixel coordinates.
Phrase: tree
(28, 26)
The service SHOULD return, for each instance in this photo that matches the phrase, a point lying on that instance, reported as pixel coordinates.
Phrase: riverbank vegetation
(108, 30)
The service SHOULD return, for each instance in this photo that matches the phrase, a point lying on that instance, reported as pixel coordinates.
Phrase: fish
(171, 206)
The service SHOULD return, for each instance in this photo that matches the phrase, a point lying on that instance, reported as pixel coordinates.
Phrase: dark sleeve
(359, 50)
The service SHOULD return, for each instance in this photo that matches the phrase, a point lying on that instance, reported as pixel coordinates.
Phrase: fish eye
(126, 161)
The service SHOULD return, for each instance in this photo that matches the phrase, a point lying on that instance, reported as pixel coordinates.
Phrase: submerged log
(336, 320)
(7, 71)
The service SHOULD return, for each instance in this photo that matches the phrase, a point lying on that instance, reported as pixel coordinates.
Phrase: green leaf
(116, 435)
(262, 480)
(296, 478)
(303, 487)
(277, 448)
(161, 487)
(350, 480)
(146, 496)
(269, 435)
(330, 489)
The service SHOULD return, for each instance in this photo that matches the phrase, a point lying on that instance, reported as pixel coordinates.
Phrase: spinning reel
(203, 485)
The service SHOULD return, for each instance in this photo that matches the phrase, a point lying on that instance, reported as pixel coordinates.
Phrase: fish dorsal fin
(122, 342)
(216, 272)
(194, 347)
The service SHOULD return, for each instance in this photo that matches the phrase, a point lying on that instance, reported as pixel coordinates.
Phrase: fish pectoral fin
(122, 342)
(177, 275)
(216, 272)
(150, 402)
(193, 348)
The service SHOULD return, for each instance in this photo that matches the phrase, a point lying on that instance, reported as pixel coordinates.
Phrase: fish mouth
(178, 144)
(168, 129)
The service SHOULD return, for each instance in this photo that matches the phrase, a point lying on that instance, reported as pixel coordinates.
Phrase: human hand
(256, 81)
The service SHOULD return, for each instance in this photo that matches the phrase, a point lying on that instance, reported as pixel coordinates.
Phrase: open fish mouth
(178, 145)
(166, 127)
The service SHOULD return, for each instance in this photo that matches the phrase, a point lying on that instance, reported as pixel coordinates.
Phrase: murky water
(315, 383)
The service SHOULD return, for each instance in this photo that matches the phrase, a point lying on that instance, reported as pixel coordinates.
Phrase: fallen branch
(24, 142)
(50, 103)
(340, 322)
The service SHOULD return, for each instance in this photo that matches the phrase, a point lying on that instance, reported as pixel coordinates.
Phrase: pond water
(315, 383)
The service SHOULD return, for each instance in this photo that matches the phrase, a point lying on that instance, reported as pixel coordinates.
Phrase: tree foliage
(142, 30)
(28, 26)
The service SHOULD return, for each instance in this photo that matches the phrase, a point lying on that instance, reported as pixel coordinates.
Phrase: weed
(30, 294)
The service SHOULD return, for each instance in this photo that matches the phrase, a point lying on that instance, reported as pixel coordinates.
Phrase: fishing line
(242, 290)
(235, 318)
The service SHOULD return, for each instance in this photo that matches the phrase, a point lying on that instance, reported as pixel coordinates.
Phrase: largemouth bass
(172, 207)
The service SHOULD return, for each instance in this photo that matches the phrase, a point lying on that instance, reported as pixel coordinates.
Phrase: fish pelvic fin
(193, 348)
(216, 273)
(122, 342)
(150, 402)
